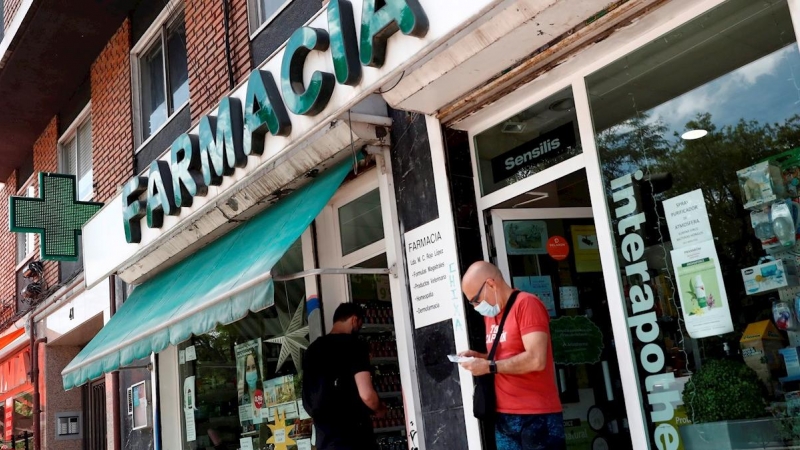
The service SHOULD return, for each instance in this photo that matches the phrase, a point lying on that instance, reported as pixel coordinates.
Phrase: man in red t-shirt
(529, 409)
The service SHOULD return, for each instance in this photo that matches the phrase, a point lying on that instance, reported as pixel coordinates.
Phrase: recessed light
(693, 134)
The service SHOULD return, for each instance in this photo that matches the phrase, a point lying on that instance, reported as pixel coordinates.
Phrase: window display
(241, 387)
(698, 135)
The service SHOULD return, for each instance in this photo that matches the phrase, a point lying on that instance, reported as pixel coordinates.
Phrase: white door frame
(500, 215)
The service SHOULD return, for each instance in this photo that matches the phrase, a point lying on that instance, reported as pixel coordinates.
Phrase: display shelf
(377, 328)
(384, 360)
(390, 394)
(390, 429)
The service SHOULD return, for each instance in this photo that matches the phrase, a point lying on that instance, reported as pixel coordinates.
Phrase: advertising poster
(541, 287)
(701, 290)
(587, 252)
(576, 340)
(249, 377)
(525, 237)
(687, 219)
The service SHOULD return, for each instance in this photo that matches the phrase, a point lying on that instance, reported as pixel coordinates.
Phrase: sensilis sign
(239, 129)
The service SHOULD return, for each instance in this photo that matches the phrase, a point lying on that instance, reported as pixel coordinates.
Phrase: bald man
(528, 407)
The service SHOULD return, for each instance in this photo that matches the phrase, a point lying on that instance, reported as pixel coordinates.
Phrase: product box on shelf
(791, 361)
(761, 184)
(789, 163)
(769, 276)
(760, 344)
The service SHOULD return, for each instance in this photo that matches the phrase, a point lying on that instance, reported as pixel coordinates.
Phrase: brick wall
(10, 8)
(45, 159)
(205, 46)
(112, 135)
(8, 252)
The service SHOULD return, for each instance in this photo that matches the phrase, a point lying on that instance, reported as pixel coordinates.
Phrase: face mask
(485, 309)
(252, 379)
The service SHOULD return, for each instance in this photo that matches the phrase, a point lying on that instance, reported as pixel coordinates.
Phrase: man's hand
(473, 354)
(478, 366)
(380, 413)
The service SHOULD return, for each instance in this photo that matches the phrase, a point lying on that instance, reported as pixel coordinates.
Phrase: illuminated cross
(56, 215)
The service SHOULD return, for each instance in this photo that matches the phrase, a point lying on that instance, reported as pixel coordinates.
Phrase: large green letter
(377, 26)
(299, 98)
(160, 199)
(187, 179)
(221, 142)
(344, 42)
(263, 110)
(134, 209)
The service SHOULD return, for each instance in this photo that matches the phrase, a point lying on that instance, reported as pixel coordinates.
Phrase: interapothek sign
(345, 53)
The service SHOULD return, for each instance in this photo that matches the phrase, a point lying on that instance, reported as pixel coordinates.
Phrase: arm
(533, 359)
(367, 392)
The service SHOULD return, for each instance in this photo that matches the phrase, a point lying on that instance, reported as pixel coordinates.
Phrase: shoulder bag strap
(502, 323)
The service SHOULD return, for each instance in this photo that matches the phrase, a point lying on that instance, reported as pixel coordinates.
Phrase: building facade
(260, 162)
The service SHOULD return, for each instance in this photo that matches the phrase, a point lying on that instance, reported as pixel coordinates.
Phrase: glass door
(553, 253)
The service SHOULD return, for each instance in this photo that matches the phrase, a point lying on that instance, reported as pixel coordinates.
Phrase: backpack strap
(511, 301)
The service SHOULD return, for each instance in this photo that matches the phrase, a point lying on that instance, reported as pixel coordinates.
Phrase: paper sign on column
(704, 301)
(246, 443)
(188, 408)
(181, 356)
(191, 354)
(430, 254)
(304, 444)
(687, 219)
(191, 431)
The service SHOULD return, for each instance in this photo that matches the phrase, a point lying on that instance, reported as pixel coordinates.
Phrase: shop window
(162, 75)
(696, 131)
(361, 222)
(263, 11)
(528, 142)
(76, 155)
(222, 402)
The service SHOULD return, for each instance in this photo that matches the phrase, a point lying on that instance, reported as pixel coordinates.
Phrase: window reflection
(687, 111)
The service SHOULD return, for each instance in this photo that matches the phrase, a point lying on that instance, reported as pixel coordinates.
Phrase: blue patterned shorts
(530, 432)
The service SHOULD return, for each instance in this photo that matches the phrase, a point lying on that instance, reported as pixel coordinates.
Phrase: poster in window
(525, 237)
(250, 376)
(587, 252)
(704, 301)
(139, 399)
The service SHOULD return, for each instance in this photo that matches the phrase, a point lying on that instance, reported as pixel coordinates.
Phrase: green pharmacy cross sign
(56, 215)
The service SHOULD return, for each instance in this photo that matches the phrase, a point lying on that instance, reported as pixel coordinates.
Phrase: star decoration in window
(280, 432)
(293, 340)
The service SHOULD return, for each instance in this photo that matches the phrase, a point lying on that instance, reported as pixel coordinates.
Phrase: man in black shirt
(337, 385)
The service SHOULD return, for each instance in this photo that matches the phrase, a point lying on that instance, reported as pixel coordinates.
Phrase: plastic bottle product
(700, 291)
(783, 224)
(782, 313)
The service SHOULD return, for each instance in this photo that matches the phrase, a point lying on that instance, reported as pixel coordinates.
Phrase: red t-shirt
(530, 393)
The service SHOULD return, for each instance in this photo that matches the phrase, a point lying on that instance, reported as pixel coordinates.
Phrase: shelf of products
(393, 443)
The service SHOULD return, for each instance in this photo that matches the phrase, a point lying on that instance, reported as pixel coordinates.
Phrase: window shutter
(84, 149)
(68, 157)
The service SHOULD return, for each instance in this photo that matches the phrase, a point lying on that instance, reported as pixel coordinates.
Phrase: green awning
(219, 284)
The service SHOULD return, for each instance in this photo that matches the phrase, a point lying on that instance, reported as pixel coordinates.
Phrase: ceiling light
(693, 134)
(513, 127)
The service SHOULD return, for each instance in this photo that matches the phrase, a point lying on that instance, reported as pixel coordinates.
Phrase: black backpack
(322, 395)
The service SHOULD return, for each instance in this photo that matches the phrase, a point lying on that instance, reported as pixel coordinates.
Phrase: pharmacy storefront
(641, 176)
(239, 242)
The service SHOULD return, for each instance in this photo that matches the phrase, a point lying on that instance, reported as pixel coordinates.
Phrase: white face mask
(485, 309)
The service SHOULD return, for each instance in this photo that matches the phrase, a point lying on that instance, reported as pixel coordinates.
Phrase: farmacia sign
(224, 142)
